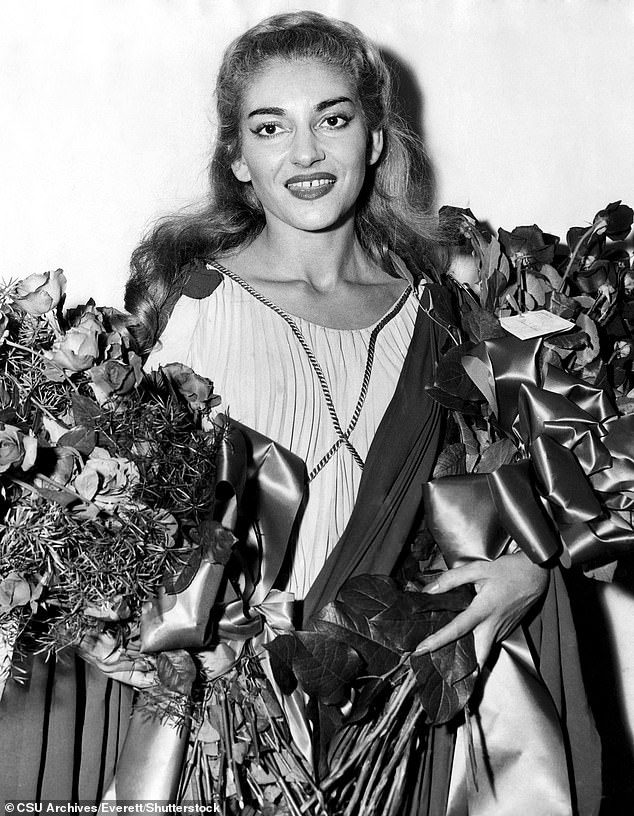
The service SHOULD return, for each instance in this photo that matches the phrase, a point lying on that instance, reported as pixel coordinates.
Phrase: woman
(316, 199)
(297, 291)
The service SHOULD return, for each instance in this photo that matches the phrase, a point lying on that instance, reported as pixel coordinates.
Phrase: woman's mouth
(311, 186)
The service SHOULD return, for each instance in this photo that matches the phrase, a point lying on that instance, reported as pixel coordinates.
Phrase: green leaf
(282, 651)
(62, 497)
(443, 307)
(85, 410)
(497, 454)
(451, 461)
(452, 377)
(562, 305)
(176, 670)
(369, 594)
(176, 582)
(372, 694)
(453, 403)
(82, 438)
(569, 340)
(416, 615)
(340, 623)
(482, 325)
(445, 679)
(325, 667)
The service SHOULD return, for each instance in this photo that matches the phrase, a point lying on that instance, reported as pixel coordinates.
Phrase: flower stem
(44, 359)
(590, 231)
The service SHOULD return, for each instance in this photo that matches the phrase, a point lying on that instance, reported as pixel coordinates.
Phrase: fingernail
(425, 646)
(433, 587)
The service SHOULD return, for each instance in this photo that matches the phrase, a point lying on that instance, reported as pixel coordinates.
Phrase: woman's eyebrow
(267, 112)
(329, 103)
(321, 106)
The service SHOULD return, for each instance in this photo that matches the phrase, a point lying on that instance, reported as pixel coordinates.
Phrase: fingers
(102, 652)
(461, 625)
(458, 576)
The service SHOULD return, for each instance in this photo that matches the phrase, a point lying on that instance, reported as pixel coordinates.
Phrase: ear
(375, 146)
(240, 169)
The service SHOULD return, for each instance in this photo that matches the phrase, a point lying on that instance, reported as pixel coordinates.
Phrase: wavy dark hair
(392, 213)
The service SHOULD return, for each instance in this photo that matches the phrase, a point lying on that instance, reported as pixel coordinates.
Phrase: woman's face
(304, 144)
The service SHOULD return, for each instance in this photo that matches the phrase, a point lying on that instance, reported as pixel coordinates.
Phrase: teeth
(307, 185)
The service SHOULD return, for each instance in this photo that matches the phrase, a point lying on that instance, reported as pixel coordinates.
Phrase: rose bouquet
(104, 472)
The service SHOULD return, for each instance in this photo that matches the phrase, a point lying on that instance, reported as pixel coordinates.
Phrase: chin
(320, 221)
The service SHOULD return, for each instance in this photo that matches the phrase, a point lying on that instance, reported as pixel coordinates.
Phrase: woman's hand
(127, 666)
(505, 590)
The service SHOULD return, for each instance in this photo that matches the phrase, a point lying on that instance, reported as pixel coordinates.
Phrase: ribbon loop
(582, 474)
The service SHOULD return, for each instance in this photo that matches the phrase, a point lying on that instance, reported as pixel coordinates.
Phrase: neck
(320, 259)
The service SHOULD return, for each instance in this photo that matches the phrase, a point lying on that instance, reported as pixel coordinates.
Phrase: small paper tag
(535, 324)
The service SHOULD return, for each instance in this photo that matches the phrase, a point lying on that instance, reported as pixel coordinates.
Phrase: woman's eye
(336, 121)
(268, 129)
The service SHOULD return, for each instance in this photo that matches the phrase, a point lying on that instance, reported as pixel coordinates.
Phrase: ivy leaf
(452, 377)
(562, 305)
(482, 325)
(497, 454)
(341, 623)
(453, 403)
(282, 651)
(451, 462)
(446, 678)
(416, 615)
(369, 594)
(325, 667)
(176, 670)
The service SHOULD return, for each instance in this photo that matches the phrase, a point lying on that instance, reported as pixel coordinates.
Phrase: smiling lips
(311, 186)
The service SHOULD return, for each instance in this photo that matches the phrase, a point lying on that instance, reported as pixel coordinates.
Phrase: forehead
(291, 83)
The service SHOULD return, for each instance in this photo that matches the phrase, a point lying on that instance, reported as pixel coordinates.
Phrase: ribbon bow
(572, 497)
(259, 489)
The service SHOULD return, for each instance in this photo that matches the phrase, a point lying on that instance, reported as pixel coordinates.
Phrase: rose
(4, 325)
(105, 479)
(528, 245)
(116, 608)
(75, 351)
(38, 294)
(78, 349)
(14, 591)
(615, 221)
(197, 390)
(16, 448)
(115, 378)
(216, 540)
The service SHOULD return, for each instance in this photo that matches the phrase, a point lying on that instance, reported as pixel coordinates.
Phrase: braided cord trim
(342, 436)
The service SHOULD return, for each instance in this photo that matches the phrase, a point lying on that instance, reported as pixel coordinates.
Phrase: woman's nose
(306, 148)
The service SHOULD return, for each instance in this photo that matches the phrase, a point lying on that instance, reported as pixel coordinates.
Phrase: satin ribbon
(516, 775)
(574, 495)
(259, 490)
